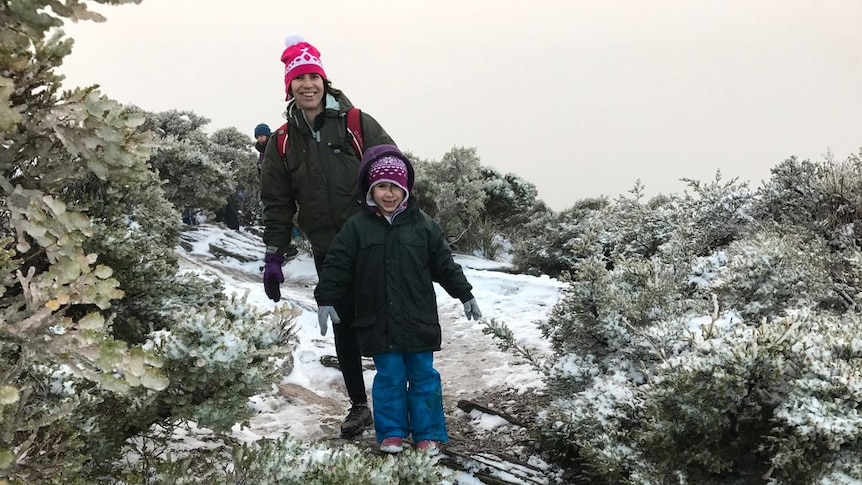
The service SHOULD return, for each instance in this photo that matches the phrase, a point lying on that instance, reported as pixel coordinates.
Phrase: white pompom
(293, 39)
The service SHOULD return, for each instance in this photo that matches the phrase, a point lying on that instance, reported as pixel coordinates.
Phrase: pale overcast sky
(581, 98)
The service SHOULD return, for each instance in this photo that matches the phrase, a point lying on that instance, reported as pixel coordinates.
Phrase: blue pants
(408, 397)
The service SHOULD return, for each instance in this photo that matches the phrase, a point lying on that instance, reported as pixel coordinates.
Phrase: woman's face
(308, 91)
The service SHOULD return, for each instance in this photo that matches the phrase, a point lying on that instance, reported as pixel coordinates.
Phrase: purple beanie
(387, 169)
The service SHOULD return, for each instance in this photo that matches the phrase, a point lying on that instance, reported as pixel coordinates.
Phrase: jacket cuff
(466, 298)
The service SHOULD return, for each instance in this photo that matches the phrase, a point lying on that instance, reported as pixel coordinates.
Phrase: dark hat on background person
(262, 129)
(299, 57)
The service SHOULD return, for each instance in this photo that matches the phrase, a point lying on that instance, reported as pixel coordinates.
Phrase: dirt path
(471, 366)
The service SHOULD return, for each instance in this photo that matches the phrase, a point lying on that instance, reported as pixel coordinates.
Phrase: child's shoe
(393, 444)
(429, 446)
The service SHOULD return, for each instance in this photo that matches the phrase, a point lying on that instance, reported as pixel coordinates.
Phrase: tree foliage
(287, 461)
(232, 148)
(479, 209)
(713, 337)
(88, 279)
(196, 173)
(707, 337)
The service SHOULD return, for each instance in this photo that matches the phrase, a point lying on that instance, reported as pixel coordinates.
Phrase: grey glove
(471, 310)
(325, 313)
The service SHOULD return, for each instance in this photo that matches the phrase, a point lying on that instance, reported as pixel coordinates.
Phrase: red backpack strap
(354, 128)
(281, 138)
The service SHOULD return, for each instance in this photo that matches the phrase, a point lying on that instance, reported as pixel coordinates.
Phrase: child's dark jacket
(391, 269)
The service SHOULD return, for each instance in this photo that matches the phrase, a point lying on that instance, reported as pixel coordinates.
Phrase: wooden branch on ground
(492, 469)
(468, 406)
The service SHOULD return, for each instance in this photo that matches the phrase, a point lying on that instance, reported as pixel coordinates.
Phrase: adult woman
(315, 181)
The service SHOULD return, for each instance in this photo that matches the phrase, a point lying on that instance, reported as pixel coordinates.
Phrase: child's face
(387, 196)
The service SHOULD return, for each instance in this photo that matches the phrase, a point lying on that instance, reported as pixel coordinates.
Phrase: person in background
(191, 216)
(230, 212)
(390, 256)
(261, 137)
(316, 182)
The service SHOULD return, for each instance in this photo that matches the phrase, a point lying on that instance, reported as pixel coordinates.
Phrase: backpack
(354, 132)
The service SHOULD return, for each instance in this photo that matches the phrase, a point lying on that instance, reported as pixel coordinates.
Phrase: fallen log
(469, 406)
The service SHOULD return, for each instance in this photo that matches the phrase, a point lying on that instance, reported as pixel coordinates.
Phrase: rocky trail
(491, 397)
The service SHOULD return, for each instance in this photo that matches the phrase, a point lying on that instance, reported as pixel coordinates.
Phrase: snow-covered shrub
(628, 226)
(844, 469)
(480, 210)
(702, 342)
(87, 272)
(635, 227)
(510, 203)
(233, 148)
(768, 273)
(728, 402)
(823, 199)
(58, 297)
(547, 243)
(425, 188)
(817, 426)
(460, 201)
(609, 331)
(288, 462)
(604, 309)
(48, 408)
(704, 339)
(189, 163)
(778, 400)
(712, 216)
(218, 358)
(706, 410)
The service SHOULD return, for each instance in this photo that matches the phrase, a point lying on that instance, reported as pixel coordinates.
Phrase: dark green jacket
(393, 268)
(318, 177)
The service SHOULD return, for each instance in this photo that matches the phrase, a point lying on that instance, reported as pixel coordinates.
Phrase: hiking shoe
(428, 446)
(357, 419)
(393, 444)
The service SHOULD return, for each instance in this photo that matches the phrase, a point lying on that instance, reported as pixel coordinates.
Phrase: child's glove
(272, 276)
(325, 313)
(471, 310)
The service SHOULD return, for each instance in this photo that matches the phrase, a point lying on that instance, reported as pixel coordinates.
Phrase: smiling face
(387, 196)
(308, 91)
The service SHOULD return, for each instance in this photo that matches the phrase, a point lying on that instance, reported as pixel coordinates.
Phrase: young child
(389, 256)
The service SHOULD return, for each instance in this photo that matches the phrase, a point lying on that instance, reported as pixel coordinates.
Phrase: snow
(486, 421)
(470, 362)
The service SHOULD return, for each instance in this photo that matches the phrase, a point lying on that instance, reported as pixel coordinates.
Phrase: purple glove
(272, 276)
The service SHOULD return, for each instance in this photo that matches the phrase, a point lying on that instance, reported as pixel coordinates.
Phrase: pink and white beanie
(387, 169)
(299, 57)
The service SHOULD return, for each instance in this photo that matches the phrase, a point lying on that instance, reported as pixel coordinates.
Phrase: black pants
(231, 215)
(346, 347)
